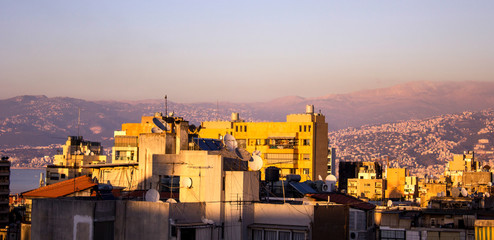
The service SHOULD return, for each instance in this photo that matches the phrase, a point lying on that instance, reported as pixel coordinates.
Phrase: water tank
(272, 174)
(293, 178)
(235, 116)
(309, 109)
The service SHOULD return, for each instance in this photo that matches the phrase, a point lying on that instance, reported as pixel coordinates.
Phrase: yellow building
(76, 153)
(373, 189)
(395, 182)
(484, 229)
(297, 146)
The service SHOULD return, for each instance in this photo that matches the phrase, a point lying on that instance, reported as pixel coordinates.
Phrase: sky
(238, 51)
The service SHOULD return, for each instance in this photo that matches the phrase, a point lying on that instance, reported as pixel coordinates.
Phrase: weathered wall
(330, 220)
(141, 220)
(62, 219)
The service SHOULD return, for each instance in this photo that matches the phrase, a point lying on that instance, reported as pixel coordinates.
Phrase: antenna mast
(78, 122)
(166, 105)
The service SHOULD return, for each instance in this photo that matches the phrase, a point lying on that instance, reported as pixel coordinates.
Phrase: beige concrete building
(76, 153)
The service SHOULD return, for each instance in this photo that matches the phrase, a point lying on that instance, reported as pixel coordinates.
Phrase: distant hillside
(41, 121)
(424, 146)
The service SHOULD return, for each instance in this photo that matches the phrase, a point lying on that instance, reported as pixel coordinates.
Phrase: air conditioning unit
(353, 235)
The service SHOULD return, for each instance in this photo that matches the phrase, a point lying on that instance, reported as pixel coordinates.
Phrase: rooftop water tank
(272, 174)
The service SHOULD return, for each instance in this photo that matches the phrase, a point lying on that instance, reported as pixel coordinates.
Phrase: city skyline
(239, 52)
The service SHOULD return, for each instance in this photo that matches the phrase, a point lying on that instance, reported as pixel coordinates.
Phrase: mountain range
(41, 120)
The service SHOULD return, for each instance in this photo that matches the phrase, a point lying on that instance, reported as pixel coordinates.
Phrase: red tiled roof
(61, 189)
(344, 199)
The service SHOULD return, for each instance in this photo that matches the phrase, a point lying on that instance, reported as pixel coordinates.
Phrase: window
(270, 235)
(236, 128)
(306, 171)
(305, 128)
(62, 176)
(54, 176)
(259, 142)
(170, 184)
(293, 170)
(300, 128)
(306, 156)
(309, 128)
(306, 142)
(245, 128)
(284, 235)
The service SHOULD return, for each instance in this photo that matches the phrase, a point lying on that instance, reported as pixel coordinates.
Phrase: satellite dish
(156, 130)
(186, 182)
(320, 178)
(390, 203)
(455, 192)
(330, 178)
(171, 200)
(489, 184)
(255, 163)
(243, 154)
(152, 195)
(464, 192)
(487, 195)
(161, 124)
(230, 142)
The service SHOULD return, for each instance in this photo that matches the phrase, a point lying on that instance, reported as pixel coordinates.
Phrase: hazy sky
(239, 51)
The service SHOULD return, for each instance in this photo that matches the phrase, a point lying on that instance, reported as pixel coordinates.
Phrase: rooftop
(61, 189)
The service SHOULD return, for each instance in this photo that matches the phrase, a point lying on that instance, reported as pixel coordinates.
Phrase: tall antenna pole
(166, 105)
(78, 122)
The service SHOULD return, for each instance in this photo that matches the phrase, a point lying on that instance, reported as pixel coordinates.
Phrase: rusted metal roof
(344, 199)
(61, 189)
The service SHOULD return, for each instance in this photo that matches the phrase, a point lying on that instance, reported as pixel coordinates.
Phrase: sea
(22, 180)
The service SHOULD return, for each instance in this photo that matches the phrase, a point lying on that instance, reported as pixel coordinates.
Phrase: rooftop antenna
(78, 122)
(166, 105)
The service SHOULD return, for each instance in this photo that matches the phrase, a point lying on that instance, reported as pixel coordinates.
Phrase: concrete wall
(62, 219)
(330, 220)
(283, 214)
(77, 219)
(141, 220)
(150, 144)
(241, 190)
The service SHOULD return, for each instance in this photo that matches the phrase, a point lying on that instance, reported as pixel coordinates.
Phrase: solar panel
(302, 188)
(208, 144)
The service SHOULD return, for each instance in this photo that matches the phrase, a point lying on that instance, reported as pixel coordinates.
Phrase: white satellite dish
(171, 200)
(256, 163)
(390, 203)
(330, 178)
(152, 195)
(487, 195)
(489, 184)
(186, 182)
(242, 154)
(464, 192)
(161, 124)
(156, 130)
(230, 142)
